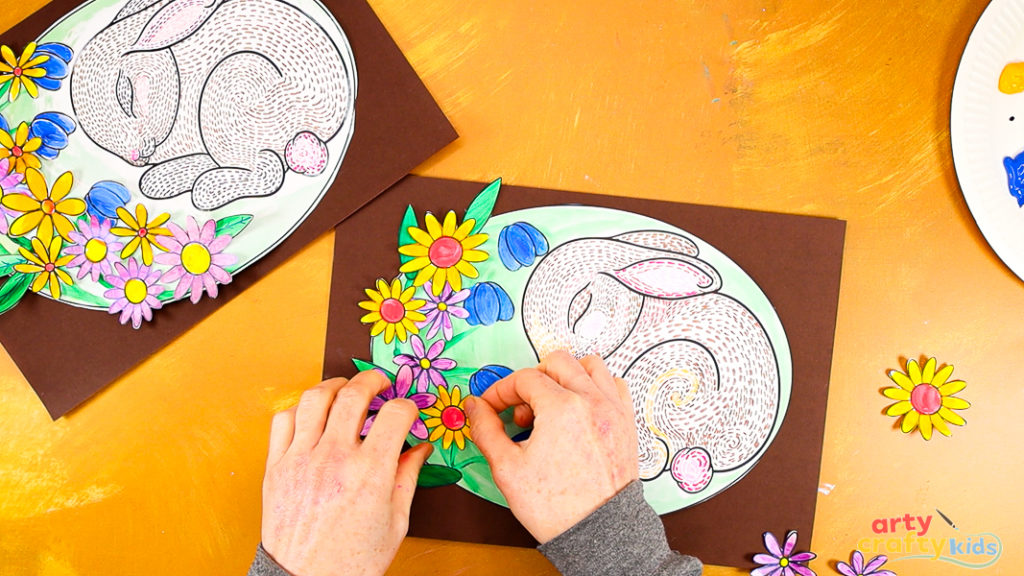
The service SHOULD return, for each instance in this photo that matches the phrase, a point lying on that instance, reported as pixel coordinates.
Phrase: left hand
(333, 504)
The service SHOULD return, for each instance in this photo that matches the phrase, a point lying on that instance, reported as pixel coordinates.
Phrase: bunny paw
(691, 469)
(306, 154)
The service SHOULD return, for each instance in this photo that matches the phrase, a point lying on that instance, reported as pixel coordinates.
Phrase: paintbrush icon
(946, 518)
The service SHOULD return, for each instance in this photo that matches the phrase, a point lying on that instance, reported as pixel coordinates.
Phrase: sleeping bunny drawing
(700, 367)
(219, 97)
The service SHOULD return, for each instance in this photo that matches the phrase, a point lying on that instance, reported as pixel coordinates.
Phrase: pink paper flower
(440, 309)
(10, 183)
(782, 561)
(197, 259)
(426, 364)
(400, 389)
(135, 292)
(95, 248)
(856, 566)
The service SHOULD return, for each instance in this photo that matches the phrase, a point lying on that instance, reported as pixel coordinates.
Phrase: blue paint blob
(1015, 176)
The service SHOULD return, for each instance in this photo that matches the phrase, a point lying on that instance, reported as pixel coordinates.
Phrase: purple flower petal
(211, 285)
(765, 559)
(768, 570)
(118, 305)
(423, 399)
(192, 228)
(803, 557)
(423, 380)
(458, 296)
(857, 561)
(172, 274)
(419, 429)
(367, 424)
(790, 543)
(458, 312)
(417, 346)
(801, 570)
(874, 564)
(182, 288)
(405, 360)
(772, 545)
(219, 274)
(223, 259)
(376, 403)
(445, 293)
(437, 378)
(882, 573)
(403, 382)
(219, 244)
(208, 232)
(435, 349)
(446, 326)
(434, 328)
(443, 363)
(845, 569)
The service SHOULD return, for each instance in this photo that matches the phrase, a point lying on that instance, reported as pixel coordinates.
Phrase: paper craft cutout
(698, 343)
(155, 148)
(857, 566)
(780, 560)
(926, 398)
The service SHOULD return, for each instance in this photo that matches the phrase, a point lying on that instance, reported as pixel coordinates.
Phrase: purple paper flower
(400, 389)
(426, 364)
(196, 258)
(856, 566)
(135, 292)
(440, 309)
(782, 561)
(10, 183)
(95, 248)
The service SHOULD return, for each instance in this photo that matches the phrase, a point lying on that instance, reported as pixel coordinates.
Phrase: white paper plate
(987, 126)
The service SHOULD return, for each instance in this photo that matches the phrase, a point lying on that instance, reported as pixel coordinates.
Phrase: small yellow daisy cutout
(925, 398)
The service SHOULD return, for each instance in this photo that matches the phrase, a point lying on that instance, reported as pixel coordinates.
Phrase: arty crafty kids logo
(933, 538)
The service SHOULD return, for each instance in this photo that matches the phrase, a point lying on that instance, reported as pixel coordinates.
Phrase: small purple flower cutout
(782, 561)
(856, 567)
(440, 309)
(400, 389)
(426, 364)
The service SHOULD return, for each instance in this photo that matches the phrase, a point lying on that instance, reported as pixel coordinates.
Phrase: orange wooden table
(837, 109)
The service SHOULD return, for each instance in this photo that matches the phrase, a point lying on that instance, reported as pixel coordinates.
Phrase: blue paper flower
(105, 197)
(1015, 176)
(519, 245)
(485, 377)
(56, 67)
(53, 128)
(487, 304)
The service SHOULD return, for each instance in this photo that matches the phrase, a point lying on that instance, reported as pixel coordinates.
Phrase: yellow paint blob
(135, 290)
(195, 258)
(95, 250)
(1011, 80)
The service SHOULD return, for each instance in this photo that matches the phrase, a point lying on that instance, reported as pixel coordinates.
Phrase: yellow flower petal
(474, 256)
(63, 225)
(420, 236)
(26, 223)
(460, 440)
(413, 250)
(448, 437)
(26, 54)
(929, 371)
(454, 280)
(437, 282)
(374, 295)
(924, 423)
(30, 87)
(36, 184)
(370, 318)
(436, 433)
(423, 275)
(951, 417)
(32, 145)
(8, 56)
(914, 372)
(36, 61)
(899, 408)
(118, 231)
(942, 375)
(474, 241)
(465, 431)
(39, 282)
(466, 268)
(456, 396)
(21, 134)
(30, 161)
(383, 288)
(955, 403)
(64, 260)
(53, 249)
(159, 220)
(464, 229)
(940, 425)
(901, 380)
(15, 89)
(414, 304)
(130, 247)
(20, 202)
(414, 265)
(61, 187)
(401, 332)
(30, 256)
(950, 388)
(127, 218)
(407, 294)
(396, 288)
(370, 305)
(910, 421)
(25, 268)
(433, 226)
(896, 394)
(432, 411)
(147, 252)
(432, 422)
(378, 328)
(448, 228)
(54, 286)
(389, 333)
(141, 215)
(5, 140)
(414, 316)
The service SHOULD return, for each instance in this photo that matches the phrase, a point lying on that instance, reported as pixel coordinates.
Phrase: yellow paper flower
(392, 310)
(143, 232)
(443, 253)
(20, 71)
(447, 419)
(48, 264)
(20, 149)
(45, 210)
(925, 398)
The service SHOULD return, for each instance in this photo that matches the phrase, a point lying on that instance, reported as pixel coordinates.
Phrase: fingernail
(470, 405)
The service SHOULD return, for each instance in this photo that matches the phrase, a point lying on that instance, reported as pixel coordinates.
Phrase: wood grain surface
(831, 109)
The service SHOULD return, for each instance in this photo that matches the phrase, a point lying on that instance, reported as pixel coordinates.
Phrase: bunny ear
(173, 23)
(669, 278)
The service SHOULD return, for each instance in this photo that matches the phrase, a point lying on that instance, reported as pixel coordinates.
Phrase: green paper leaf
(7, 262)
(22, 241)
(232, 225)
(363, 365)
(106, 284)
(404, 238)
(165, 295)
(482, 206)
(434, 475)
(4, 100)
(12, 291)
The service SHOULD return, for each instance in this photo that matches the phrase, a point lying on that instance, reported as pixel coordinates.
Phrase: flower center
(195, 258)
(16, 151)
(926, 399)
(442, 306)
(17, 70)
(392, 310)
(95, 250)
(135, 290)
(425, 363)
(143, 232)
(445, 252)
(783, 562)
(47, 206)
(49, 267)
(453, 418)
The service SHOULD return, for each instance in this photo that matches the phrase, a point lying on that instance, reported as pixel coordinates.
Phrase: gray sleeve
(625, 537)
(264, 565)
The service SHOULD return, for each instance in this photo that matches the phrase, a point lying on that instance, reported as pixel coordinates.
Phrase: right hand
(583, 448)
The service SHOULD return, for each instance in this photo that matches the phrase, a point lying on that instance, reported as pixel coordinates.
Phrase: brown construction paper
(398, 126)
(796, 260)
